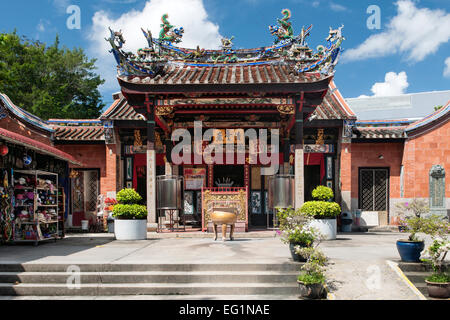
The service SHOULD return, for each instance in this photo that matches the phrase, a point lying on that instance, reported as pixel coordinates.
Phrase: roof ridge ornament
(290, 50)
(168, 32)
(284, 31)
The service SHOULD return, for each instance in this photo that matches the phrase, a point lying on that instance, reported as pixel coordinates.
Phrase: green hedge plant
(321, 209)
(322, 193)
(130, 212)
(129, 207)
(128, 196)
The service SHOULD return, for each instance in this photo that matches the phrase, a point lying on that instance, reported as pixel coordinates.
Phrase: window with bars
(373, 189)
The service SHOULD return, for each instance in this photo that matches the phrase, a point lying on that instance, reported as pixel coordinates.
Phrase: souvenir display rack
(35, 206)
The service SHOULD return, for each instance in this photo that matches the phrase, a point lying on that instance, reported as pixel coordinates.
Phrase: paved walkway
(358, 269)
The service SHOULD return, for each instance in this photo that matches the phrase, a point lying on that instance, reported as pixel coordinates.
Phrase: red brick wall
(421, 153)
(110, 182)
(367, 155)
(95, 156)
(346, 166)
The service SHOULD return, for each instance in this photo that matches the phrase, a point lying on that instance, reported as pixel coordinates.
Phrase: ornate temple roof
(397, 132)
(120, 110)
(333, 107)
(225, 74)
(78, 130)
(288, 60)
(94, 133)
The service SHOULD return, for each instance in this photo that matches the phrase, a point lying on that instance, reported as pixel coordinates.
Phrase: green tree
(49, 81)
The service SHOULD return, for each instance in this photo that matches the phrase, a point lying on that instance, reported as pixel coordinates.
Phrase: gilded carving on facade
(236, 200)
(286, 109)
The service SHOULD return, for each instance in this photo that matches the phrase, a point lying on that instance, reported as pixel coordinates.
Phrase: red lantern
(4, 150)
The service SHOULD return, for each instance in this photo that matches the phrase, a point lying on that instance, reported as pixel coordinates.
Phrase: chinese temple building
(272, 110)
(277, 88)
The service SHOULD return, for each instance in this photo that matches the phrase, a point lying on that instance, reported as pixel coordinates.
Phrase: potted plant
(312, 278)
(296, 231)
(412, 219)
(130, 216)
(108, 219)
(324, 212)
(438, 284)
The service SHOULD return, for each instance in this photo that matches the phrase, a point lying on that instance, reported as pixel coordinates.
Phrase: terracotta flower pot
(438, 289)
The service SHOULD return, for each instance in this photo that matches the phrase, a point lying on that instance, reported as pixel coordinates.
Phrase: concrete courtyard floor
(359, 262)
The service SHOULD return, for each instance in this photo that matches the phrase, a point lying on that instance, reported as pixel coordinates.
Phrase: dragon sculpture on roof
(284, 31)
(288, 49)
(168, 32)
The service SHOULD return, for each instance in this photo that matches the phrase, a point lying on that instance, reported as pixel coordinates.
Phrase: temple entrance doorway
(312, 180)
(229, 176)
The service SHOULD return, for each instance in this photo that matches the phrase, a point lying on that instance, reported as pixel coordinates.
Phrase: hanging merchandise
(35, 205)
(6, 214)
(27, 160)
(4, 150)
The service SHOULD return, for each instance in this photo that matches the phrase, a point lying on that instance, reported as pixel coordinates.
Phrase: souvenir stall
(33, 178)
(33, 196)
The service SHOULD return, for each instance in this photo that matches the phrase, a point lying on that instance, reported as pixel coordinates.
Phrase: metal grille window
(373, 193)
(92, 190)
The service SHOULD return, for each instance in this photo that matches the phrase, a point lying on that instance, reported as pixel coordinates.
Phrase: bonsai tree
(129, 207)
(438, 251)
(321, 207)
(312, 273)
(294, 227)
(412, 219)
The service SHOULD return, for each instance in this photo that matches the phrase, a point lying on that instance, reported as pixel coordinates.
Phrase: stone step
(417, 276)
(420, 267)
(132, 267)
(102, 289)
(422, 287)
(414, 267)
(152, 277)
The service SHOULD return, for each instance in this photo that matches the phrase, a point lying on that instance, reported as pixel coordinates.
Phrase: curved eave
(24, 115)
(138, 87)
(439, 116)
(37, 146)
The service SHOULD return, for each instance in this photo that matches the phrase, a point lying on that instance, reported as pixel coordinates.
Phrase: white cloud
(189, 14)
(61, 5)
(415, 32)
(394, 84)
(447, 68)
(41, 26)
(337, 7)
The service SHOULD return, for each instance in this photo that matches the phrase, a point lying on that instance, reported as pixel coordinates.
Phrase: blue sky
(409, 53)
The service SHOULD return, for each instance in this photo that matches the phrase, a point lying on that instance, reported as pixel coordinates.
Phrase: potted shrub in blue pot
(413, 220)
(296, 231)
(130, 216)
(324, 212)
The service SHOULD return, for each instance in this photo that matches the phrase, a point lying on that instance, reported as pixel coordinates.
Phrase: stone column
(286, 153)
(151, 166)
(168, 164)
(299, 155)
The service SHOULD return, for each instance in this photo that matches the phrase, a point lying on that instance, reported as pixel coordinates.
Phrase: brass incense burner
(225, 217)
